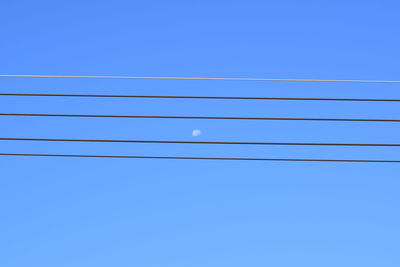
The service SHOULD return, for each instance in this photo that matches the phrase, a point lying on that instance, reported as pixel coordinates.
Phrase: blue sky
(148, 213)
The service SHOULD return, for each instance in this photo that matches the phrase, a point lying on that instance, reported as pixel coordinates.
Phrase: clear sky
(149, 213)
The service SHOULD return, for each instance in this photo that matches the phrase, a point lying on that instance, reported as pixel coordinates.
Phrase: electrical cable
(200, 158)
(194, 78)
(194, 117)
(193, 142)
(203, 97)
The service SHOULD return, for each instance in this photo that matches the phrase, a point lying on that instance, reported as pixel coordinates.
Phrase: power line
(196, 78)
(203, 97)
(201, 158)
(194, 142)
(194, 117)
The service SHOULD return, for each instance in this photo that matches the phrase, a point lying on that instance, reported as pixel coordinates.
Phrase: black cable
(194, 117)
(193, 142)
(205, 97)
(201, 158)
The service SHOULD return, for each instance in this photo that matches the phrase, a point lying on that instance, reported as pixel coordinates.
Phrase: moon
(196, 132)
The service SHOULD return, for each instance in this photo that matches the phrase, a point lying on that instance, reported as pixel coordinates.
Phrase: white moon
(196, 132)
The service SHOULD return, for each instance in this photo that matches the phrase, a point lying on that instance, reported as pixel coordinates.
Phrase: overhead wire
(195, 117)
(194, 78)
(200, 158)
(201, 97)
(194, 142)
